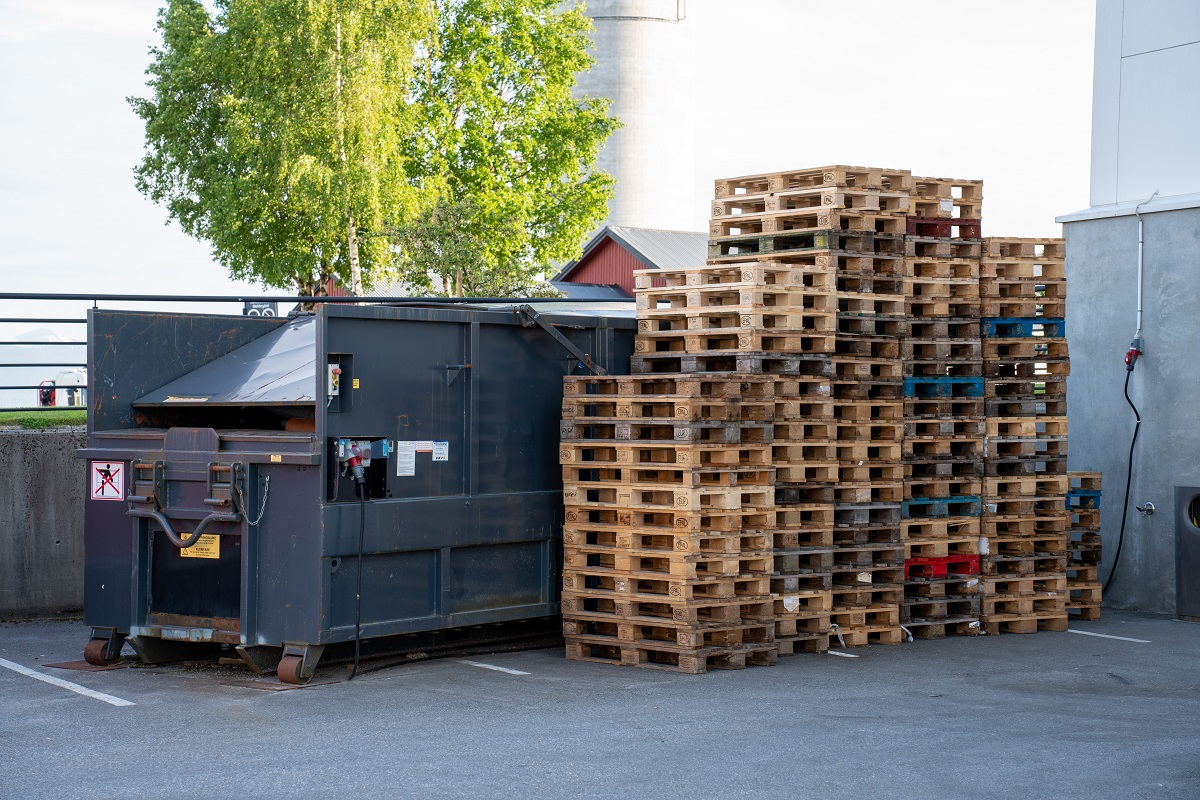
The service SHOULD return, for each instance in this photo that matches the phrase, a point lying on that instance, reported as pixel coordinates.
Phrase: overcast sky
(999, 91)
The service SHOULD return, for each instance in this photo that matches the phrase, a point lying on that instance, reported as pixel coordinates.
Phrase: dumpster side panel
(108, 540)
(131, 353)
(288, 576)
(474, 538)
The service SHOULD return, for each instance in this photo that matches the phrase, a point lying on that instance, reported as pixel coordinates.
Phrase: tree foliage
(303, 138)
(507, 145)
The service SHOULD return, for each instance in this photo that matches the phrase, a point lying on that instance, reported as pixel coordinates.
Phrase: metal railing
(77, 390)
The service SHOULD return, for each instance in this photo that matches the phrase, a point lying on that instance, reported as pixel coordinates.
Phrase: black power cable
(1128, 479)
(362, 524)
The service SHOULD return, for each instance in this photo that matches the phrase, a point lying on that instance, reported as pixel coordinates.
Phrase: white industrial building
(1132, 269)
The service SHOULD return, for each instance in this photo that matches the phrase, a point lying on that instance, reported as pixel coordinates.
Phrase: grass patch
(35, 420)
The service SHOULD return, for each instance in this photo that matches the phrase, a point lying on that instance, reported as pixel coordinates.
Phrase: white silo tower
(645, 64)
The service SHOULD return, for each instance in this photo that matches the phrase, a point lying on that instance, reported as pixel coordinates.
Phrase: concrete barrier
(41, 523)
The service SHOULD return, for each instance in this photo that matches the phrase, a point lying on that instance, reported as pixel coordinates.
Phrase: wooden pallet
(726, 344)
(653, 476)
(937, 408)
(954, 447)
(875, 430)
(805, 643)
(946, 198)
(723, 386)
(811, 197)
(949, 228)
(659, 541)
(1026, 406)
(963, 271)
(892, 180)
(958, 329)
(682, 432)
(955, 545)
(996, 625)
(941, 486)
(1085, 481)
(867, 347)
(674, 659)
(863, 637)
(670, 565)
(650, 585)
(603, 604)
(816, 313)
(1023, 585)
(807, 535)
(649, 520)
(670, 300)
(680, 409)
(942, 249)
(723, 364)
(1025, 349)
(774, 245)
(1022, 565)
(1018, 307)
(810, 275)
(806, 220)
(936, 308)
(850, 326)
(935, 287)
(1024, 249)
(929, 528)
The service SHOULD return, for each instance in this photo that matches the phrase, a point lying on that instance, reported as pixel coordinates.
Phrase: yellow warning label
(276, 458)
(354, 383)
(209, 546)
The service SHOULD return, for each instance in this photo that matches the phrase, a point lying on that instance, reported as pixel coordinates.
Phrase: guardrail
(74, 394)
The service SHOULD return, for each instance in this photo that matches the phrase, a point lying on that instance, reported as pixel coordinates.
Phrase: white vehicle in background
(67, 389)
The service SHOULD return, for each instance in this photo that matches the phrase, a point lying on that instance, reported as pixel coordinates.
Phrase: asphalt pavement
(1048, 715)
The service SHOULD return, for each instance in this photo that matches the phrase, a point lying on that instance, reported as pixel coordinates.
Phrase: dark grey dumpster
(223, 508)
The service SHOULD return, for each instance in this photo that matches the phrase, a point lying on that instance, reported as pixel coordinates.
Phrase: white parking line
(843, 655)
(72, 687)
(492, 666)
(1106, 636)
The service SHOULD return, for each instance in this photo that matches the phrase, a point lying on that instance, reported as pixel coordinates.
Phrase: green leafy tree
(506, 147)
(277, 130)
(366, 139)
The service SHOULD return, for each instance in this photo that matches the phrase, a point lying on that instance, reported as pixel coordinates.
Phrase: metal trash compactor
(234, 464)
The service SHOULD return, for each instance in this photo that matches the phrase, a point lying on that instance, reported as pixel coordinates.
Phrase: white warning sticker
(108, 480)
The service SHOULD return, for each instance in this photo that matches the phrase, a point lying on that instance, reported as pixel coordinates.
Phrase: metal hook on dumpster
(175, 538)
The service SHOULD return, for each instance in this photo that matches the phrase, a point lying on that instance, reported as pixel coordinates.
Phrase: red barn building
(609, 259)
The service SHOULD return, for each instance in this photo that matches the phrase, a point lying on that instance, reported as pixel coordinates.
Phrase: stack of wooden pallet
(1083, 545)
(944, 410)
(839, 420)
(667, 542)
(853, 415)
(1026, 365)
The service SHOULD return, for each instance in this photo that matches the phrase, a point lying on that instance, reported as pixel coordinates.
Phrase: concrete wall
(645, 64)
(1101, 317)
(1145, 100)
(41, 523)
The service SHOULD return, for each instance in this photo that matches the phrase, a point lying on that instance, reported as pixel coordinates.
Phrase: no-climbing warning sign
(108, 480)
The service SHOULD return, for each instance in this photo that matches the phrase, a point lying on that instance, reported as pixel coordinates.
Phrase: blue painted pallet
(940, 507)
(1083, 498)
(944, 386)
(1020, 327)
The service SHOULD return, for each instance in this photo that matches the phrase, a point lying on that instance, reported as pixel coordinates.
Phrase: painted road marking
(59, 682)
(1106, 636)
(492, 666)
(843, 655)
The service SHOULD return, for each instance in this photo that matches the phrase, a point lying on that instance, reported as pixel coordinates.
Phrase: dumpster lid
(276, 369)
